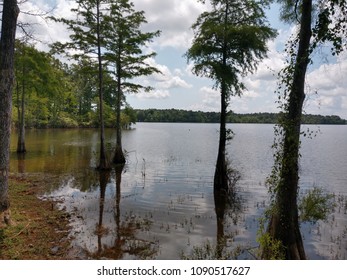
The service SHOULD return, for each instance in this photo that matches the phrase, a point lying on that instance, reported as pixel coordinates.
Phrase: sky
(178, 88)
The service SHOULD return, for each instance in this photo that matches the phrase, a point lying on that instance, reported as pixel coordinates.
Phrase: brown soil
(38, 230)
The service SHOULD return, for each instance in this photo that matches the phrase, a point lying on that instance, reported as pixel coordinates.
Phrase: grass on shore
(38, 230)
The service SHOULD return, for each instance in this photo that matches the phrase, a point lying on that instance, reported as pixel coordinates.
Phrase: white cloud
(44, 30)
(155, 94)
(162, 82)
(328, 87)
(174, 18)
(174, 82)
(210, 100)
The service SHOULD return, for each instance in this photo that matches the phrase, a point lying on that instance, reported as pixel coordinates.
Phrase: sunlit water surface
(161, 204)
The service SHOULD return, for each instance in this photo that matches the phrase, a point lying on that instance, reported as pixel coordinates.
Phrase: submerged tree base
(104, 163)
(103, 167)
(21, 150)
(119, 157)
(225, 177)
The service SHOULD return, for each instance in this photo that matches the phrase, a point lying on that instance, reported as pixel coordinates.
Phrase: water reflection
(123, 242)
(117, 213)
(21, 162)
(100, 229)
(228, 209)
(227, 206)
(104, 177)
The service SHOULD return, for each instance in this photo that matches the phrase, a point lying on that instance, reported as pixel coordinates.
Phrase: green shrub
(316, 205)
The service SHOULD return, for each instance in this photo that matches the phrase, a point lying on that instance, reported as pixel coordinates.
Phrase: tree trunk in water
(284, 223)
(119, 157)
(7, 44)
(221, 172)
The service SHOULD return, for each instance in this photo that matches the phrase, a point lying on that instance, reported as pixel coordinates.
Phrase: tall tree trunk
(284, 223)
(221, 174)
(119, 157)
(103, 163)
(7, 45)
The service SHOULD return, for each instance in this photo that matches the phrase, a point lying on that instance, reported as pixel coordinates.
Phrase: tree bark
(7, 45)
(119, 157)
(221, 172)
(284, 223)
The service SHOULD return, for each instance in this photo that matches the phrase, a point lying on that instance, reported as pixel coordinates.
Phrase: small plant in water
(316, 205)
(143, 172)
(208, 251)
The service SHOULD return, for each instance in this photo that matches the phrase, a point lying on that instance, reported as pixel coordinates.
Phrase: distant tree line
(176, 115)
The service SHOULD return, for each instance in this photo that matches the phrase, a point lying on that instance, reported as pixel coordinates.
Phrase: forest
(133, 193)
(58, 95)
(175, 115)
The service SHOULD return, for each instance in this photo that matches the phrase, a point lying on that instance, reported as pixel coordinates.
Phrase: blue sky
(178, 88)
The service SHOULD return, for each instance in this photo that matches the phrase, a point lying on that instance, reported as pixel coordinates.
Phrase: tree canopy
(229, 42)
(59, 95)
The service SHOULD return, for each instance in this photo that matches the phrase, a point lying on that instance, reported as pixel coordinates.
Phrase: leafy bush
(316, 205)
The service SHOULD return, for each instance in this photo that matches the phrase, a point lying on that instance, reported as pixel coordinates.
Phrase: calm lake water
(161, 205)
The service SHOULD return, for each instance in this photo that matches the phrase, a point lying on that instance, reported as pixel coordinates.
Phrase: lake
(161, 204)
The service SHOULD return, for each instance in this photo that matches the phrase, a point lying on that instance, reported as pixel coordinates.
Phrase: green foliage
(273, 247)
(176, 115)
(209, 251)
(128, 117)
(124, 45)
(37, 113)
(267, 243)
(316, 205)
(47, 88)
(112, 30)
(85, 30)
(64, 121)
(57, 95)
(229, 42)
(329, 25)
